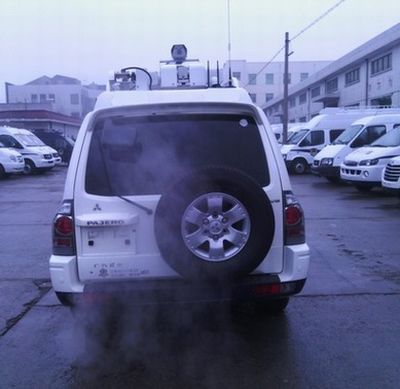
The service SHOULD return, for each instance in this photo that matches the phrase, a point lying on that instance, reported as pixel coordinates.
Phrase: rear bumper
(252, 288)
(65, 280)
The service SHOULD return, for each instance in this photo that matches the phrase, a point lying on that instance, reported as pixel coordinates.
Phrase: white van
(311, 137)
(391, 176)
(300, 151)
(10, 161)
(278, 130)
(363, 167)
(362, 132)
(37, 156)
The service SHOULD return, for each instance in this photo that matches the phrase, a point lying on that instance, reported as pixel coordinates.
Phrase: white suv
(178, 194)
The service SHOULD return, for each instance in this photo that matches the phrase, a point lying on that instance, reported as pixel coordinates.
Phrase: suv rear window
(143, 155)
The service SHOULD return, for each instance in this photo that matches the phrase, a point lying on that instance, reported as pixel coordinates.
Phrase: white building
(265, 82)
(368, 75)
(66, 94)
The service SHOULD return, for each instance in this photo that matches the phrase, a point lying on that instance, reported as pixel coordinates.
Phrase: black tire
(364, 188)
(224, 185)
(29, 167)
(2, 172)
(299, 166)
(66, 299)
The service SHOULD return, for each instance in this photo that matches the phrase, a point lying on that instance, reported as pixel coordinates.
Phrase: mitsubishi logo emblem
(97, 208)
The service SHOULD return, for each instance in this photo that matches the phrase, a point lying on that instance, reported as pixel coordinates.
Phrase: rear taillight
(293, 220)
(63, 230)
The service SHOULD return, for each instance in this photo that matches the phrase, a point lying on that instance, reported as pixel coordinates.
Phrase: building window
(236, 75)
(315, 91)
(34, 98)
(292, 102)
(302, 98)
(52, 97)
(303, 76)
(381, 64)
(268, 97)
(42, 98)
(352, 77)
(332, 85)
(303, 119)
(253, 97)
(289, 78)
(384, 101)
(252, 79)
(269, 78)
(74, 98)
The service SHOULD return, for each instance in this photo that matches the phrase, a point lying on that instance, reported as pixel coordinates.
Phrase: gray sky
(88, 38)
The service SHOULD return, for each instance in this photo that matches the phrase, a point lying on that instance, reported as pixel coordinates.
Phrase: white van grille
(392, 173)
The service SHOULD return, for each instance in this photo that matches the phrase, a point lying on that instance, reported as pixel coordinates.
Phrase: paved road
(341, 332)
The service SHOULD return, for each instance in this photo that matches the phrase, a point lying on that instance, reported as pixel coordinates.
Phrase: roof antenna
(228, 4)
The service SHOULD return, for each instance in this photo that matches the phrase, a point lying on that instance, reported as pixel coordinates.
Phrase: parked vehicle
(10, 161)
(178, 194)
(362, 132)
(278, 130)
(37, 156)
(363, 167)
(391, 176)
(63, 145)
(309, 139)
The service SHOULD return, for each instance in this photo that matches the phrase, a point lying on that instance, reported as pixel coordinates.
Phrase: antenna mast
(228, 4)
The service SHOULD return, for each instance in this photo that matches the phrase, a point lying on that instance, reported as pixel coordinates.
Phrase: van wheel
(29, 167)
(299, 166)
(2, 172)
(214, 224)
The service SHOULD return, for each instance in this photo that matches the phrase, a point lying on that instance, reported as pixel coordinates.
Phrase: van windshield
(29, 140)
(347, 135)
(390, 139)
(297, 137)
(144, 155)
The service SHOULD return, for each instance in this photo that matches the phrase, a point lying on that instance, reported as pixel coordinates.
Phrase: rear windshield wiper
(109, 183)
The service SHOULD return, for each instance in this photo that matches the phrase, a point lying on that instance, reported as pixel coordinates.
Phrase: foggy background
(87, 39)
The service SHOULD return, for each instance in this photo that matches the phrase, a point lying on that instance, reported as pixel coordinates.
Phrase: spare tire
(214, 224)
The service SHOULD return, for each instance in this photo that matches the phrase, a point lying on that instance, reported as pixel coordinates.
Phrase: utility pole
(285, 90)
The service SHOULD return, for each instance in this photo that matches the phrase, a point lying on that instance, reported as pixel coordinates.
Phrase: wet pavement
(342, 331)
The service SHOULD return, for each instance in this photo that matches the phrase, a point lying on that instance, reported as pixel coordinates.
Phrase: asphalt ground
(341, 331)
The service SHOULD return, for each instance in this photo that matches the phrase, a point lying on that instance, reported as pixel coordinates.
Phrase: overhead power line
(315, 21)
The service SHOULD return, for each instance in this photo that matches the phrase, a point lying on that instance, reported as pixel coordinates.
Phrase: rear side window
(368, 135)
(143, 155)
(8, 140)
(333, 134)
(314, 138)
